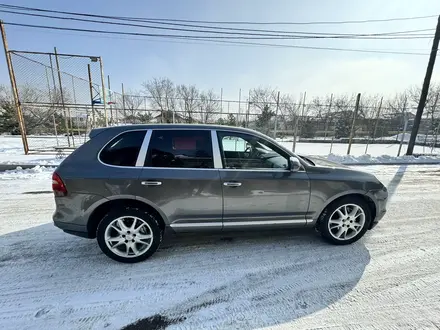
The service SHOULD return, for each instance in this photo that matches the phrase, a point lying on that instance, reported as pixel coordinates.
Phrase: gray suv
(128, 184)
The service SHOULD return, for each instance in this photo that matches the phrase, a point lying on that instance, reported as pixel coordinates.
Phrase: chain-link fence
(331, 123)
(60, 97)
(63, 96)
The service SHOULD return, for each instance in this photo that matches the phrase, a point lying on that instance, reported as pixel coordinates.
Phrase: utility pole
(425, 90)
(20, 118)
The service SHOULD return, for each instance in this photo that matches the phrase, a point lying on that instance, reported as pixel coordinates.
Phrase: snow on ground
(280, 280)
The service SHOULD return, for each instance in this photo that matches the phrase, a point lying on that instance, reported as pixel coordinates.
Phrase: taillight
(58, 186)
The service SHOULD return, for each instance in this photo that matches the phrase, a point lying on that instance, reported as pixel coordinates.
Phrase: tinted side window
(124, 149)
(180, 149)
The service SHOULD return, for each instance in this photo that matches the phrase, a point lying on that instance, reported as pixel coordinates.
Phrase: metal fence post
(123, 105)
(358, 98)
(110, 99)
(237, 122)
(20, 117)
(101, 66)
(295, 134)
(328, 116)
(91, 97)
(66, 121)
(276, 116)
(375, 125)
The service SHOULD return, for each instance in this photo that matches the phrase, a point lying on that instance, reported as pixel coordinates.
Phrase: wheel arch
(124, 202)
(371, 205)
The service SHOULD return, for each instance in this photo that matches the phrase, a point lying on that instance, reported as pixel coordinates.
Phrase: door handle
(151, 183)
(232, 184)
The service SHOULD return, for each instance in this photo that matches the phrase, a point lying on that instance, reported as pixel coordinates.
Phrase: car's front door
(179, 178)
(258, 187)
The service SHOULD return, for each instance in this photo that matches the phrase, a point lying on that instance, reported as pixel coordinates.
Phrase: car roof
(123, 128)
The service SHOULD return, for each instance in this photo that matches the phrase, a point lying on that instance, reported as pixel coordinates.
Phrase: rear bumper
(73, 211)
(72, 229)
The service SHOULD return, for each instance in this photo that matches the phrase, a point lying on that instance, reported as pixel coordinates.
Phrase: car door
(180, 180)
(258, 187)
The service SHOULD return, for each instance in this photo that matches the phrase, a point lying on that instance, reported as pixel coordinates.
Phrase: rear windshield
(123, 150)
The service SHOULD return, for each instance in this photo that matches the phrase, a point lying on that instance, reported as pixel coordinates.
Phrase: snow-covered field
(11, 152)
(280, 280)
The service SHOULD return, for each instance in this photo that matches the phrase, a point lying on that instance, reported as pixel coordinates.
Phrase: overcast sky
(132, 60)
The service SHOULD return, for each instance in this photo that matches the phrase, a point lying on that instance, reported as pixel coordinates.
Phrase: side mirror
(295, 165)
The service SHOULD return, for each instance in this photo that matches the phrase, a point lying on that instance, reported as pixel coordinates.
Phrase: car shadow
(395, 181)
(228, 280)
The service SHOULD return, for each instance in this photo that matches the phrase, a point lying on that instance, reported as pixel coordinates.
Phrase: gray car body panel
(197, 199)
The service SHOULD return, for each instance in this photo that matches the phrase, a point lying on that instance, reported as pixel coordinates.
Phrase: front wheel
(345, 221)
(129, 235)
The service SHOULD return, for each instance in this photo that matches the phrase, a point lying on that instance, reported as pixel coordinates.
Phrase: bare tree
(323, 108)
(162, 95)
(263, 98)
(189, 100)
(367, 113)
(399, 108)
(288, 111)
(263, 104)
(343, 114)
(210, 105)
(133, 102)
(130, 103)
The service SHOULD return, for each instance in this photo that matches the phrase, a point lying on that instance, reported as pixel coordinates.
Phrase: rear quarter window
(123, 150)
(180, 149)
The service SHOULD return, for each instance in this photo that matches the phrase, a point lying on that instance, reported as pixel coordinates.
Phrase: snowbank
(30, 173)
(384, 159)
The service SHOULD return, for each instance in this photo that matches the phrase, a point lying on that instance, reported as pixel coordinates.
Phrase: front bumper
(380, 199)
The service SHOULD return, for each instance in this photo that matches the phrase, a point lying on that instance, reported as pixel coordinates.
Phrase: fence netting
(57, 94)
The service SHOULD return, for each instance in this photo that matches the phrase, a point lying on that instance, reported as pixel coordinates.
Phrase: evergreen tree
(8, 118)
(263, 119)
(342, 129)
(231, 121)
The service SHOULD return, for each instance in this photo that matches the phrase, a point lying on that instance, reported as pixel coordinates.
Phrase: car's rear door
(258, 187)
(179, 178)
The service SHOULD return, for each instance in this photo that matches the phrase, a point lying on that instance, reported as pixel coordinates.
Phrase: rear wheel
(345, 221)
(129, 235)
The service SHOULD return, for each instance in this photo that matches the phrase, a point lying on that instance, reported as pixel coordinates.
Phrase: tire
(127, 237)
(330, 222)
